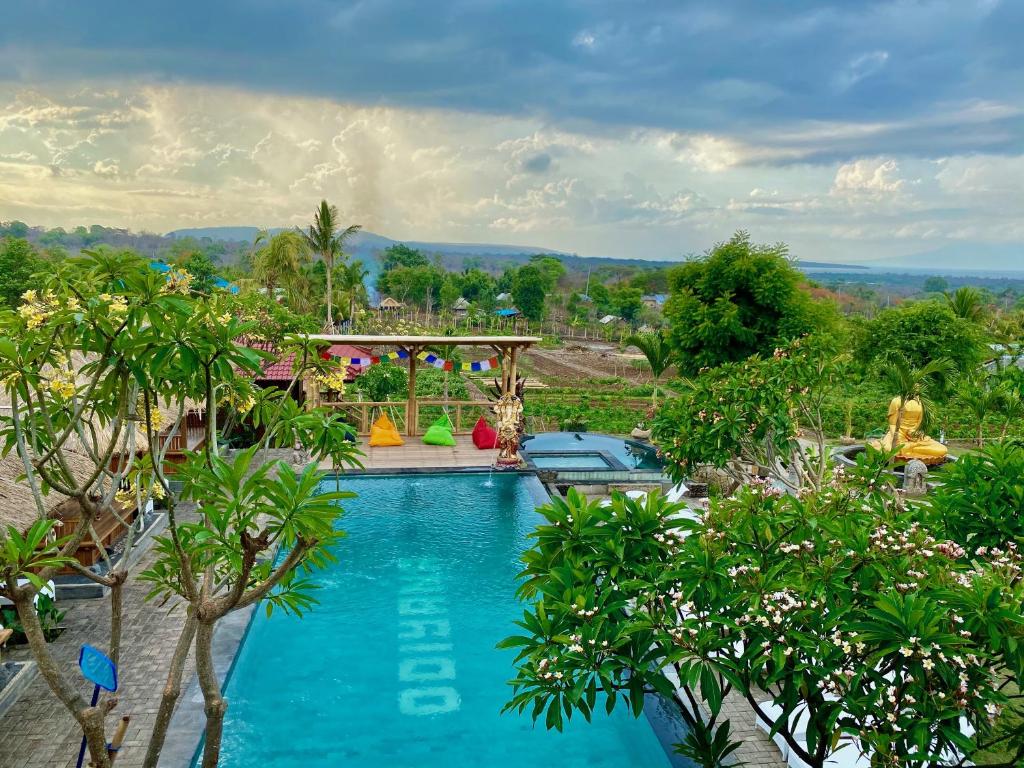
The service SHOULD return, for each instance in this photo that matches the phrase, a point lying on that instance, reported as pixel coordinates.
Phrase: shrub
(981, 500)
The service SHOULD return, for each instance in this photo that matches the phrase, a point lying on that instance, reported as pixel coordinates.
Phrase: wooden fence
(463, 413)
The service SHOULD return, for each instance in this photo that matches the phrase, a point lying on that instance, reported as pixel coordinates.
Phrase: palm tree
(912, 383)
(280, 262)
(658, 353)
(352, 286)
(324, 239)
(967, 303)
(1011, 404)
(980, 398)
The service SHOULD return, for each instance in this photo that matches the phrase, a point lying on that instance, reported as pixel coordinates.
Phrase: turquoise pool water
(571, 461)
(631, 453)
(397, 666)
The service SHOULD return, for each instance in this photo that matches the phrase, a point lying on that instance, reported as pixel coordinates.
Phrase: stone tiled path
(415, 455)
(38, 732)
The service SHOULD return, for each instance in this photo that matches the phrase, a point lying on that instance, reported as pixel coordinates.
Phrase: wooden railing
(463, 413)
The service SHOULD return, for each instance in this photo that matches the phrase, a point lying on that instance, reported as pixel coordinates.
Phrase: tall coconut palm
(655, 348)
(324, 239)
(352, 286)
(279, 263)
(910, 383)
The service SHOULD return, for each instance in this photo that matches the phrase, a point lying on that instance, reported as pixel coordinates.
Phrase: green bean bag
(440, 433)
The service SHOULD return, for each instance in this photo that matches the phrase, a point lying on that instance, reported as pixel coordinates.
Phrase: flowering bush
(866, 631)
(750, 413)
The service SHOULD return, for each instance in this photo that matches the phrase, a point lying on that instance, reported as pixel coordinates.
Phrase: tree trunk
(216, 706)
(330, 295)
(172, 690)
(116, 614)
(90, 719)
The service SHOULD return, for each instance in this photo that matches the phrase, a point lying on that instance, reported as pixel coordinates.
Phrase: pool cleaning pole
(81, 749)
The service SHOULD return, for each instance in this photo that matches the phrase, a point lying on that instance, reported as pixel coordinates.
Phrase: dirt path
(581, 365)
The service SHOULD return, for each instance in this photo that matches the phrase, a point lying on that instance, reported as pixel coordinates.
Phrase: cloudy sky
(851, 130)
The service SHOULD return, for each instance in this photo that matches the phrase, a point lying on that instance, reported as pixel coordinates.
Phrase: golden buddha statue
(911, 442)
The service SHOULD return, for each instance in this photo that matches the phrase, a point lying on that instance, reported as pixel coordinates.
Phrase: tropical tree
(978, 395)
(100, 364)
(654, 346)
(528, 291)
(739, 300)
(748, 415)
(868, 633)
(18, 262)
(351, 287)
(279, 263)
(909, 382)
(967, 303)
(324, 239)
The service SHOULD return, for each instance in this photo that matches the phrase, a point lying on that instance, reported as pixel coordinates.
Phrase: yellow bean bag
(383, 433)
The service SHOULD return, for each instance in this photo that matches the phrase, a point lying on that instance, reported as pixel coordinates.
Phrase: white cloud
(868, 177)
(160, 158)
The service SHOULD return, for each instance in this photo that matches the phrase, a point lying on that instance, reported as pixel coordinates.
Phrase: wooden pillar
(512, 370)
(410, 406)
(506, 365)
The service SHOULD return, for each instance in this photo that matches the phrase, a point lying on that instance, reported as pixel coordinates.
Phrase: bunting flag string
(429, 358)
(385, 357)
(447, 365)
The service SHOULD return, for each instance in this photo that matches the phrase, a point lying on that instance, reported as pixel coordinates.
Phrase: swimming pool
(570, 460)
(633, 454)
(397, 666)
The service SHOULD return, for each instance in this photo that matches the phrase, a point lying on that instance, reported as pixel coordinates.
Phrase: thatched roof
(388, 303)
(17, 507)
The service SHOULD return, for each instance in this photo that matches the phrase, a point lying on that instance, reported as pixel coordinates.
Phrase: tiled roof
(281, 370)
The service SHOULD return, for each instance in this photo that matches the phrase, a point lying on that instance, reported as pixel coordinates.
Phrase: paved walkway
(38, 732)
(415, 455)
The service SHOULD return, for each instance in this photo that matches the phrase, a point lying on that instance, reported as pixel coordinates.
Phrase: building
(461, 307)
(388, 304)
(654, 300)
(278, 372)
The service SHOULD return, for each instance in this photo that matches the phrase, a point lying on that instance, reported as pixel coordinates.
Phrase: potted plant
(50, 617)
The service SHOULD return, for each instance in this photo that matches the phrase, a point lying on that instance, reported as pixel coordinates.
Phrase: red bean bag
(484, 436)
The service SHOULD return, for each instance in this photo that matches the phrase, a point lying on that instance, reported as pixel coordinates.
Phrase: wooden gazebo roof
(501, 342)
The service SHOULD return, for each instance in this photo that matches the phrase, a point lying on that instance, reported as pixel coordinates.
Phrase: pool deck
(415, 455)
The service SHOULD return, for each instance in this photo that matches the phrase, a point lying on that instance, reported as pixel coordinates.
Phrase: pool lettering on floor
(425, 650)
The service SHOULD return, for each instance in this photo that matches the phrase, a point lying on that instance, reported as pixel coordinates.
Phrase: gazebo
(506, 348)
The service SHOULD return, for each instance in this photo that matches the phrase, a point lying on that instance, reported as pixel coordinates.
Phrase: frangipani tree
(868, 634)
(93, 362)
(748, 414)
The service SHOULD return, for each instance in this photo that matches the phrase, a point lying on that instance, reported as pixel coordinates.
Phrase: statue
(915, 478)
(911, 443)
(508, 412)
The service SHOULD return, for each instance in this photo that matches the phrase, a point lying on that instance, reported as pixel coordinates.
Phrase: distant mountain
(365, 245)
(960, 259)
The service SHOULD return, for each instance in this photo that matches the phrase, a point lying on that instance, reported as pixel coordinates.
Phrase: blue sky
(851, 130)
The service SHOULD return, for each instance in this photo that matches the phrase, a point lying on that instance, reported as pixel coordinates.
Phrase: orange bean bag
(484, 435)
(383, 433)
